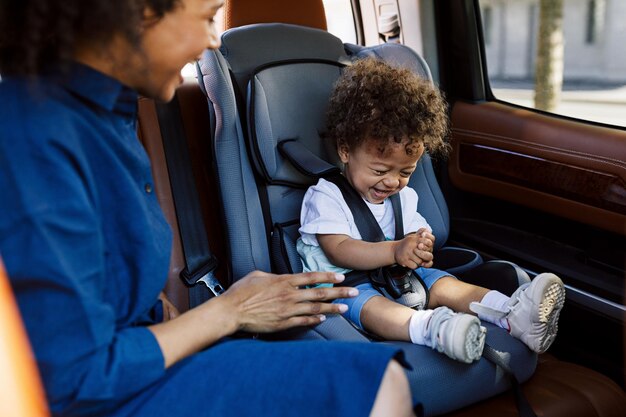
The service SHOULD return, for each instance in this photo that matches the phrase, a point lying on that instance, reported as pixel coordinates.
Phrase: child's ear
(344, 153)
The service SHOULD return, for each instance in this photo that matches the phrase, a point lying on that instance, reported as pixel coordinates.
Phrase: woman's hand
(259, 302)
(262, 302)
(169, 310)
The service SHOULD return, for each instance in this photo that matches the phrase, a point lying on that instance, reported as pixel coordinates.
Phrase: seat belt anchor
(212, 283)
(206, 274)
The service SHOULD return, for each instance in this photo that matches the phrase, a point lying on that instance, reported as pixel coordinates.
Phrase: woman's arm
(259, 302)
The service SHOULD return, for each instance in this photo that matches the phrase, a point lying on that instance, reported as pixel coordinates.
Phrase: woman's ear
(344, 153)
(149, 16)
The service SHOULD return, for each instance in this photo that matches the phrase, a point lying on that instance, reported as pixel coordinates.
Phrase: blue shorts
(367, 291)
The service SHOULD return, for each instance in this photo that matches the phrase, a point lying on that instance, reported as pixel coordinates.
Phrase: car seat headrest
(302, 12)
(287, 100)
(393, 54)
(249, 47)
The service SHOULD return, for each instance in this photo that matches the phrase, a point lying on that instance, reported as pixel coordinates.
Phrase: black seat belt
(363, 217)
(523, 406)
(199, 260)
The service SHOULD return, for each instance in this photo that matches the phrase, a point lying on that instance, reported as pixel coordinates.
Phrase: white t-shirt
(324, 211)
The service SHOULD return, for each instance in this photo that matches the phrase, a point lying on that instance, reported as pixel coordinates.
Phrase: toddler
(381, 119)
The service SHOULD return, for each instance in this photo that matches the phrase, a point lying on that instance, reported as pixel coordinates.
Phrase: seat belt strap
(363, 217)
(397, 216)
(523, 406)
(365, 221)
(199, 260)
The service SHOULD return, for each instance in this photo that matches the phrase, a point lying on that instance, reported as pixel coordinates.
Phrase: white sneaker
(460, 336)
(533, 311)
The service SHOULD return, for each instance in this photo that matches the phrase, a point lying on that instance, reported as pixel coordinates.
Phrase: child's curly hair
(373, 100)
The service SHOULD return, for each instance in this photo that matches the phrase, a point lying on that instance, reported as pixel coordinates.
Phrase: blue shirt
(82, 235)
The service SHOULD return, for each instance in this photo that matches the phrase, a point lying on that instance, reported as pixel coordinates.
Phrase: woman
(87, 248)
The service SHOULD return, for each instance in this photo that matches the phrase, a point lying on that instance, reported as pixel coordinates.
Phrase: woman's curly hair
(40, 34)
(374, 100)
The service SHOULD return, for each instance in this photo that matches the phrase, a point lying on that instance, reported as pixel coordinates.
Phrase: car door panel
(569, 169)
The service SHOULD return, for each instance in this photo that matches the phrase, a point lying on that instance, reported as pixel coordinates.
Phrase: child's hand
(426, 240)
(408, 253)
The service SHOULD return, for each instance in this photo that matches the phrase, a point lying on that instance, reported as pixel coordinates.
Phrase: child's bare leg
(459, 336)
(457, 295)
(386, 319)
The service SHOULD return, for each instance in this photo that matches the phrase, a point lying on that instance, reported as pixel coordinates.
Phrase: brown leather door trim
(595, 188)
(562, 167)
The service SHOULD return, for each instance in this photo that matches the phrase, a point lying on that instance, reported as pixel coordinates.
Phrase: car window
(560, 56)
(340, 19)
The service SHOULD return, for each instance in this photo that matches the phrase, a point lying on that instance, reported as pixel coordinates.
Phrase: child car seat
(269, 83)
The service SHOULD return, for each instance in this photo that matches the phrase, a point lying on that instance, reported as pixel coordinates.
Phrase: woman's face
(167, 44)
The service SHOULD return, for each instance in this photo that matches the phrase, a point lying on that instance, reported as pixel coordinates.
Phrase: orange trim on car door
(21, 392)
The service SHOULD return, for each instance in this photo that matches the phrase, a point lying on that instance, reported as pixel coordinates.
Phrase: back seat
(556, 389)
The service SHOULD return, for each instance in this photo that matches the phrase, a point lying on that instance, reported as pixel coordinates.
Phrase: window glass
(340, 19)
(560, 56)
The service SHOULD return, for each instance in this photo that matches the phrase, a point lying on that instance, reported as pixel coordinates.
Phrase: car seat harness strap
(398, 283)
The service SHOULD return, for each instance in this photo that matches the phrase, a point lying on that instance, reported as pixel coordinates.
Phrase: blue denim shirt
(82, 236)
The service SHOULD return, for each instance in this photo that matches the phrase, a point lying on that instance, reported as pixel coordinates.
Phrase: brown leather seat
(557, 389)
(21, 392)
(302, 12)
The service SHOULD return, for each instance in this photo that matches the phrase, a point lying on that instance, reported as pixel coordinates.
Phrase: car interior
(21, 391)
(545, 192)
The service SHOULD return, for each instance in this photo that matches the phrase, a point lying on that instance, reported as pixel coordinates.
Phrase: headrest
(251, 46)
(287, 104)
(301, 12)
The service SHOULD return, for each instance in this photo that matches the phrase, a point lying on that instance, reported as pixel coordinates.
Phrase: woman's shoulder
(37, 112)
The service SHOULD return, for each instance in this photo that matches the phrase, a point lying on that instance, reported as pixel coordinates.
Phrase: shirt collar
(100, 89)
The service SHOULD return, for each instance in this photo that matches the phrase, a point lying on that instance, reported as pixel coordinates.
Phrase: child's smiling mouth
(379, 194)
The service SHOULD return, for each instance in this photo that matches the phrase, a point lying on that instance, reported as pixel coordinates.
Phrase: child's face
(377, 175)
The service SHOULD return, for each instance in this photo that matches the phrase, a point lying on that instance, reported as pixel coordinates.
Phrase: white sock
(417, 326)
(497, 301)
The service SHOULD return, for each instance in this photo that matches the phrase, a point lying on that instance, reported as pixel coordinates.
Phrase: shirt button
(148, 188)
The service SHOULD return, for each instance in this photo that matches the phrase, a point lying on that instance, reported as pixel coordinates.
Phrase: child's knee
(356, 304)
